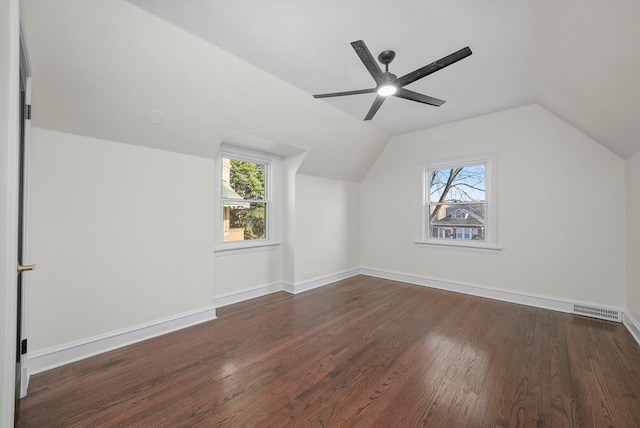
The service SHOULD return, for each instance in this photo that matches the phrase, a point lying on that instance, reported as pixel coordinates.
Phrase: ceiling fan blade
(369, 61)
(340, 94)
(433, 67)
(374, 108)
(414, 96)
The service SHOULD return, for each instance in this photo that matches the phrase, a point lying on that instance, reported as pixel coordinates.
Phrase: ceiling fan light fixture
(387, 89)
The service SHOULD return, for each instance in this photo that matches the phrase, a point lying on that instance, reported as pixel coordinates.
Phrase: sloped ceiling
(307, 43)
(584, 52)
(100, 67)
(587, 67)
(217, 69)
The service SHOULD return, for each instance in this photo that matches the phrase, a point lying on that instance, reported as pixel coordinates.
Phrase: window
(244, 181)
(467, 233)
(244, 200)
(459, 202)
(461, 214)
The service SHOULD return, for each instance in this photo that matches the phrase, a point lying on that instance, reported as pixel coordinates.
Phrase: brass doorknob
(26, 268)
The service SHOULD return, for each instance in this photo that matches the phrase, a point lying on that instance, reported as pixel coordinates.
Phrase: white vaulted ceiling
(99, 68)
(587, 62)
(307, 43)
(226, 68)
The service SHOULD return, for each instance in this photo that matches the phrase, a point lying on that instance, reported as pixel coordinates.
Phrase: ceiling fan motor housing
(390, 76)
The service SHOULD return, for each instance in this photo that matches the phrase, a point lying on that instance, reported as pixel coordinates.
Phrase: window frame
(489, 160)
(270, 200)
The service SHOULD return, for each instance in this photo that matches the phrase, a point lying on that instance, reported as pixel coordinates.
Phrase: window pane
(244, 221)
(457, 221)
(463, 184)
(243, 179)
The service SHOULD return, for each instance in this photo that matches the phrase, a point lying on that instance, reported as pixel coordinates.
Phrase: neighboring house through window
(459, 202)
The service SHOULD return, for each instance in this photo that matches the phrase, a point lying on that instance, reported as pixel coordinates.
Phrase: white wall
(291, 165)
(320, 238)
(236, 272)
(560, 208)
(326, 229)
(121, 234)
(633, 236)
(9, 88)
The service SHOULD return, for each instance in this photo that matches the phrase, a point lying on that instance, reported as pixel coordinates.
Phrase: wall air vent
(595, 312)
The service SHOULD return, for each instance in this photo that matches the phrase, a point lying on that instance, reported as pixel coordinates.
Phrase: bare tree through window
(457, 202)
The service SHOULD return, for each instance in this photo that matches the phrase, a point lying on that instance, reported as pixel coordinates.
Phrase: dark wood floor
(362, 352)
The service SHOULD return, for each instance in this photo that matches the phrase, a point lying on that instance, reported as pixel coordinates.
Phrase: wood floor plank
(361, 352)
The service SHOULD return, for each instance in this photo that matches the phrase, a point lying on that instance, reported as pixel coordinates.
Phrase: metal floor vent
(592, 311)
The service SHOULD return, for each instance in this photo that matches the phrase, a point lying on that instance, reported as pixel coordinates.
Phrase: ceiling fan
(389, 84)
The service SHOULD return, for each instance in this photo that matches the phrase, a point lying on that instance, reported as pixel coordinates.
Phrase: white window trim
(272, 201)
(490, 160)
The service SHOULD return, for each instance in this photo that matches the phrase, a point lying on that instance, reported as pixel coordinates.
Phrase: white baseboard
(50, 358)
(538, 301)
(246, 294)
(632, 325)
(319, 281)
(57, 356)
(290, 287)
(46, 359)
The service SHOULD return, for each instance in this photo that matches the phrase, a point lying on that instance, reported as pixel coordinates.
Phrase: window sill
(222, 251)
(481, 248)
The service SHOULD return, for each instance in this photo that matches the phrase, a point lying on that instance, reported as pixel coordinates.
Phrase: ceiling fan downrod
(385, 58)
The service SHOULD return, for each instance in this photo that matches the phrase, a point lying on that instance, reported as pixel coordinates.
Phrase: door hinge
(23, 346)
(27, 111)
